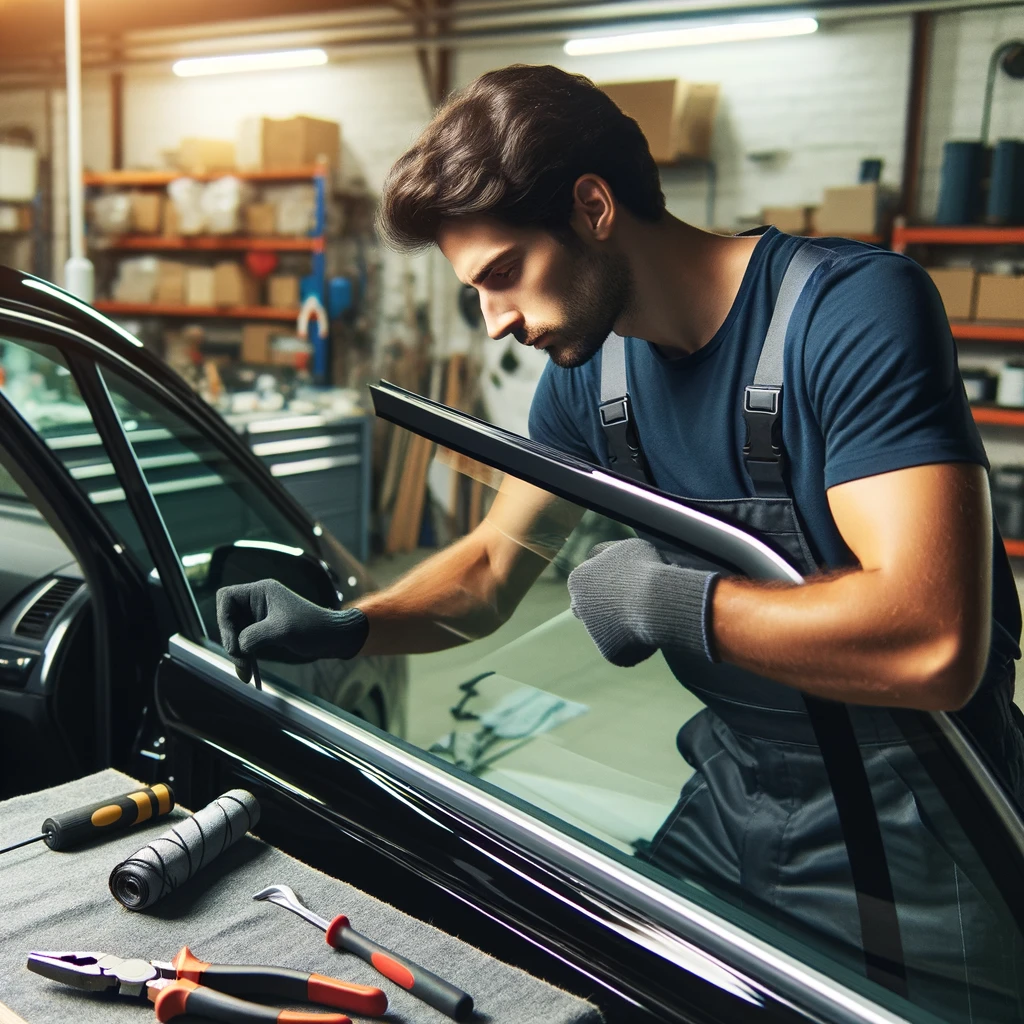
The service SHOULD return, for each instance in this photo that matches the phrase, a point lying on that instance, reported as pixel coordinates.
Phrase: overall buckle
(624, 452)
(763, 451)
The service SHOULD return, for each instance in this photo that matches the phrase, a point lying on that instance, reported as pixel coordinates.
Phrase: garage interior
(220, 200)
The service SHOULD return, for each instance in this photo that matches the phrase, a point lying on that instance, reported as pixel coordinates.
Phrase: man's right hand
(267, 620)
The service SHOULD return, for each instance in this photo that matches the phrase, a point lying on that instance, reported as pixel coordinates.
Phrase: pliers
(189, 985)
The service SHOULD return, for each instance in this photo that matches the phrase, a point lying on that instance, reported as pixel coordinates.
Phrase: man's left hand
(632, 602)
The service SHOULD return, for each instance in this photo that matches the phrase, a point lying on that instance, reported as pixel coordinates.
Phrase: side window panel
(38, 383)
(206, 502)
(715, 785)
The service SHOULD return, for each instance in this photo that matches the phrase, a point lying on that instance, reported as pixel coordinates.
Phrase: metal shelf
(999, 417)
(982, 330)
(971, 234)
(198, 312)
(213, 243)
(1014, 548)
(156, 179)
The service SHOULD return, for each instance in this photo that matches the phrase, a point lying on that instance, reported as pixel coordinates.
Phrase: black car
(516, 799)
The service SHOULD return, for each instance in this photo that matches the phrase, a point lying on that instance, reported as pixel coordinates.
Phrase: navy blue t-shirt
(871, 385)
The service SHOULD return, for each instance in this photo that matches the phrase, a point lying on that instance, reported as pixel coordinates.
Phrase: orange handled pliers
(190, 985)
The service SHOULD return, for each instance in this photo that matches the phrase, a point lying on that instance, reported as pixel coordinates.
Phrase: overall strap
(624, 453)
(763, 452)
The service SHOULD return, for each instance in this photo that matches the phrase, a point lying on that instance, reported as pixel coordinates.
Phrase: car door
(160, 502)
(535, 780)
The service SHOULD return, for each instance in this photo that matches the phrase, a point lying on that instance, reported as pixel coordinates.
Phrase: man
(544, 197)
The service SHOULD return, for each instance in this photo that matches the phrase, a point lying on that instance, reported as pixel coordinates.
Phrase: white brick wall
(963, 44)
(825, 101)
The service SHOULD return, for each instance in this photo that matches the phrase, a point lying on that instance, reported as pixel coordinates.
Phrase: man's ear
(593, 208)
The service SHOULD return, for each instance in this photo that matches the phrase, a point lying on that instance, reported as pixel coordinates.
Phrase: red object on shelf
(260, 264)
(198, 312)
(215, 243)
(999, 417)
(980, 330)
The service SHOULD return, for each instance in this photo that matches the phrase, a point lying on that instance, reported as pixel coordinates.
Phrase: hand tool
(72, 828)
(418, 980)
(189, 985)
(257, 679)
(174, 856)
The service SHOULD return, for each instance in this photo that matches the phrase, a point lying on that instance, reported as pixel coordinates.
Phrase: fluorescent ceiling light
(227, 65)
(696, 35)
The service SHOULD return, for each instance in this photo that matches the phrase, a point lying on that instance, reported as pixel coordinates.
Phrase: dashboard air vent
(37, 619)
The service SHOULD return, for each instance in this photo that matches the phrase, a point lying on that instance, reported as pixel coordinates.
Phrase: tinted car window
(731, 815)
(38, 383)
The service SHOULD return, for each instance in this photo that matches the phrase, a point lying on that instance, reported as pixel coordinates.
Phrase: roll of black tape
(184, 850)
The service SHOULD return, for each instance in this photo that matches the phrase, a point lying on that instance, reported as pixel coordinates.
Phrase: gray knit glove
(632, 602)
(267, 620)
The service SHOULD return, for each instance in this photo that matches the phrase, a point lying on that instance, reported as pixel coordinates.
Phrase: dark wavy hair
(511, 145)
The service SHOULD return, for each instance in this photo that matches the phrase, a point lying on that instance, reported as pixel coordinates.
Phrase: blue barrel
(1006, 188)
(962, 185)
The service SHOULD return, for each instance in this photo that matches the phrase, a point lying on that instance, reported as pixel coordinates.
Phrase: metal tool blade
(285, 896)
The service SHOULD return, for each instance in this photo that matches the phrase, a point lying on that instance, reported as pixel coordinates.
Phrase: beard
(602, 289)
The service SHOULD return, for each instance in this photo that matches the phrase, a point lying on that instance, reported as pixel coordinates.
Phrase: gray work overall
(795, 837)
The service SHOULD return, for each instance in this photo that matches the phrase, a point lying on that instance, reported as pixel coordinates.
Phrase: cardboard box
(170, 283)
(677, 117)
(200, 287)
(147, 212)
(957, 287)
(170, 227)
(233, 286)
(283, 291)
(269, 144)
(852, 210)
(19, 172)
(136, 279)
(261, 219)
(1000, 297)
(200, 156)
(256, 340)
(794, 220)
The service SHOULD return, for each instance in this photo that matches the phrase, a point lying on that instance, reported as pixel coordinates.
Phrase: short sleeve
(881, 371)
(551, 421)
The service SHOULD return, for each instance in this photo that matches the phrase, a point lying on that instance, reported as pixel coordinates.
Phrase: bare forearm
(855, 637)
(459, 594)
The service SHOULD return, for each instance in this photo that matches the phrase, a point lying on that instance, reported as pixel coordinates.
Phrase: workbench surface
(60, 901)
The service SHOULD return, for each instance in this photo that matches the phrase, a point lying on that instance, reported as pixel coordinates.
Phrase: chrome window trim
(692, 926)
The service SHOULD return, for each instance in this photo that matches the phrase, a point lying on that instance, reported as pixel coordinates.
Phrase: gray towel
(60, 901)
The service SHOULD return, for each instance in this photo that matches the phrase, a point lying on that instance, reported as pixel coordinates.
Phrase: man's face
(561, 296)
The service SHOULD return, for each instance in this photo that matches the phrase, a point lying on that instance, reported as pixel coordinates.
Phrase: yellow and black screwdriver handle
(84, 824)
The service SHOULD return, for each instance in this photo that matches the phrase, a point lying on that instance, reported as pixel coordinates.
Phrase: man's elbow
(951, 669)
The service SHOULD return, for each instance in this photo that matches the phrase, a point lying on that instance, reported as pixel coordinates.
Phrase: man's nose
(500, 319)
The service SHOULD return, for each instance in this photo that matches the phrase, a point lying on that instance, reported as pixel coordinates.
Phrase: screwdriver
(72, 828)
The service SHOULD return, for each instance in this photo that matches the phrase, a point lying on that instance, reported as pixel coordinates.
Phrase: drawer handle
(314, 465)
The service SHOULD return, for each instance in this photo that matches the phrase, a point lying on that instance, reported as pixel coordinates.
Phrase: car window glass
(718, 806)
(207, 503)
(37, 382)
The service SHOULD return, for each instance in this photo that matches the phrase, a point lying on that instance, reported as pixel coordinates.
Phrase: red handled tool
(418, 980)
(190, 985)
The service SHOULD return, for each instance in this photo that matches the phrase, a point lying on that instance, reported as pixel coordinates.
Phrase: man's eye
(501, 275)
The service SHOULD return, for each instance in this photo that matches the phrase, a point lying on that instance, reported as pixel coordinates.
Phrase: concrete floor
(613, 769)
